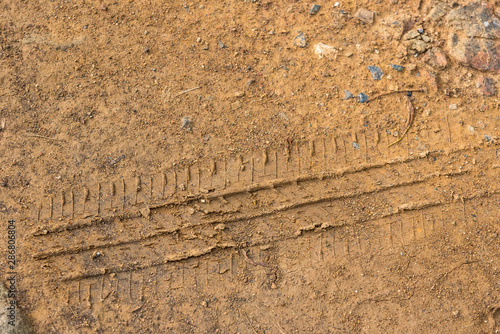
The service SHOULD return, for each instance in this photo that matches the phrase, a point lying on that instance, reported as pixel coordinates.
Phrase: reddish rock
(436, 58)
(474, 40)
(486, 86)
(431, 80)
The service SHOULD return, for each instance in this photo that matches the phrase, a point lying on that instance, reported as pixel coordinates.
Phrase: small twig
(187, 90)
(137, 308)
(394, 91)
(409, 122)
(43, 137)
(253, 263)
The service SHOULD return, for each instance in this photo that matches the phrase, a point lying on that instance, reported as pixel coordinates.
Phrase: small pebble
(420, 30)
(363, 97)
(221, 45)
(314, 10)
(419, 46)
(146, 50)
(348, 95)
(487, 138)
(412, 34)
(220, 227)
(365, 15)
(398, 68)
(376, 72)
(186, 123)
(336, 4)
(355, 145)
(300, 40)
(453, 106)
(409, 93)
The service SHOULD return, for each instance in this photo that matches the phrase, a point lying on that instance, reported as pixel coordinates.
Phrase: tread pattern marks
(319, 250)
(237, 172)
(187, 219)
(298, 240)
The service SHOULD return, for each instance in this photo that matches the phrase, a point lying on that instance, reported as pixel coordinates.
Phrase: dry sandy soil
(194, 167)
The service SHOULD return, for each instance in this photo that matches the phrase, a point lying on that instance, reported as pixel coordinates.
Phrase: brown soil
(186, 167)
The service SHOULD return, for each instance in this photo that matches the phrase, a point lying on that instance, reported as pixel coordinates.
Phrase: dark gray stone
(398, 68)
(314, 10)
(363, 97)
(376, 72)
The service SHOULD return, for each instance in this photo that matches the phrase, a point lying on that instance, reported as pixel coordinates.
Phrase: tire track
(237, 192)
(318, 249)
(357, 181)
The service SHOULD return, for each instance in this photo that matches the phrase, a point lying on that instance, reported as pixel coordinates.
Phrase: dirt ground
(201, 167)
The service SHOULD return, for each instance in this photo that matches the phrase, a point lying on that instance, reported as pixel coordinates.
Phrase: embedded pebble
(453, 106)
(363, 97)
(398, 68)
(376, 72)
(411, 35)
(436, 58)
(348, 95)
(323, 50)
(314, 10)
(186, 123)
(365, 15)
(220, 227)
(486, 86)
(419, 46)
(221, 45)
(300, 40)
